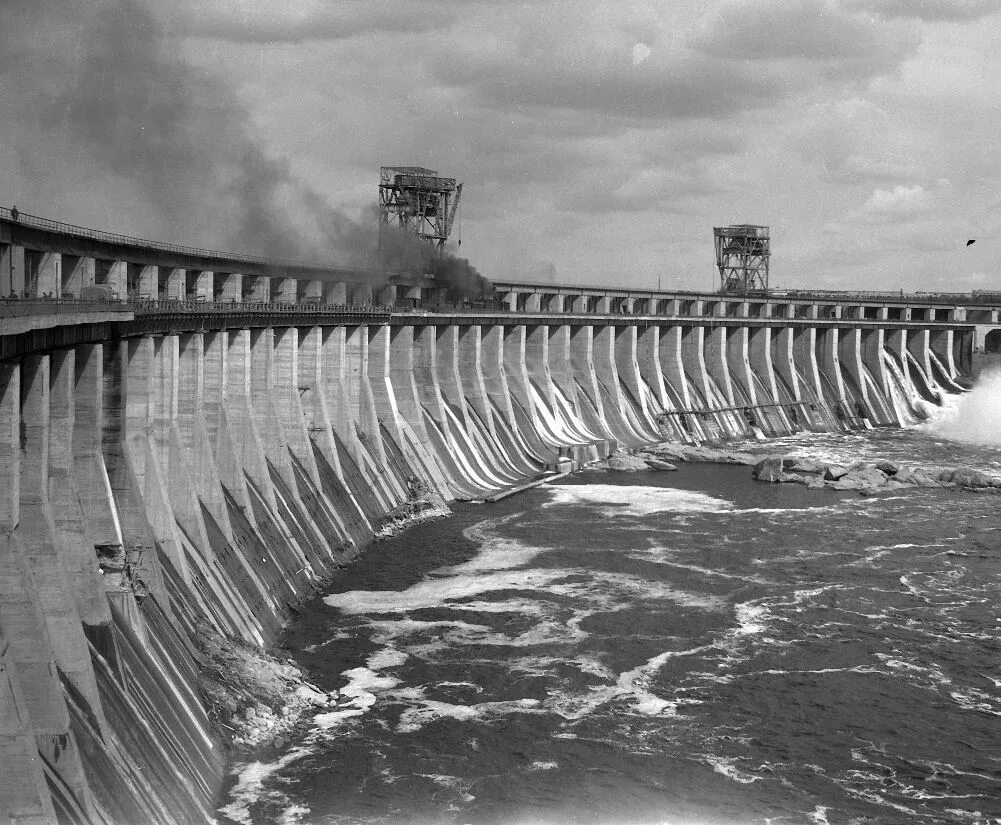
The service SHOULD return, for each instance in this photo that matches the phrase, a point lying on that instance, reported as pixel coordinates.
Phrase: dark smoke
(460, 279)
(109, 127)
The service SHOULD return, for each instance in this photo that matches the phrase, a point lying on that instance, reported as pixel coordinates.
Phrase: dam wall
(177, 474)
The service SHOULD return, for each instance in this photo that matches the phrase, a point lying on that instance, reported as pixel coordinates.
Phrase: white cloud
(901, 200)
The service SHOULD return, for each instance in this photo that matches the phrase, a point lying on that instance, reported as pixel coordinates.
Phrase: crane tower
(418, 200)
(742, 254)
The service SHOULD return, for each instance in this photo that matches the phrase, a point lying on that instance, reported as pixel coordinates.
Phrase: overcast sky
(599, 142)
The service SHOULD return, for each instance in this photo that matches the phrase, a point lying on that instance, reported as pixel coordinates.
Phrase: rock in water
(888, 467)
(806, 465)
(768, 469)
(670, 452)
(835, 472)
(972, 478)
(657, 464)
(861, 478)
(624, 462)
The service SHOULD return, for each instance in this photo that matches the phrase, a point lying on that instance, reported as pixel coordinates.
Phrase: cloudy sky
(599, 142)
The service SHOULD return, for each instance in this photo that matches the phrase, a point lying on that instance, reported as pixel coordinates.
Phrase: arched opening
(992, 343)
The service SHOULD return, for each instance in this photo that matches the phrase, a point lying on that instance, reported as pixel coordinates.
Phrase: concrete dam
(195, 451)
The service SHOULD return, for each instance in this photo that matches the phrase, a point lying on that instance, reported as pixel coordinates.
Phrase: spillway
(181, 470)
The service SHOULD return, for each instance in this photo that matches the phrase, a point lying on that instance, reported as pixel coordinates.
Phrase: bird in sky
(971, 241)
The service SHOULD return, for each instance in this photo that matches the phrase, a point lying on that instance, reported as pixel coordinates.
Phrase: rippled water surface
(690, 647)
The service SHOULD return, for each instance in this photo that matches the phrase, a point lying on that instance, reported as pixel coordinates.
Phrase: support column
(582, 357)
(311, 291)
(262, 389)
(199, 284)
(39, 534)
(283, 290)
(830, 364)
(142, 454)
(117, 280)
(42, 274)
(411, 415)
(627, 372)
(33, 715)
(255, 288)
(246, 439)
(75, 546)
(718, 363)
(7, 288)
(228, 287)
(669, 353)
(783, 360)
(196, 470)
(76, 273)
(92, 483)
(288, 402)
(335, 293)
(316, 409)
(148, 283)
(172, 283)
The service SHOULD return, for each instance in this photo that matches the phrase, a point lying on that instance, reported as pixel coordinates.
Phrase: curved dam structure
(195, 458)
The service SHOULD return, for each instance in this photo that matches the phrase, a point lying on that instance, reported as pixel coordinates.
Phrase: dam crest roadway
(191, 442)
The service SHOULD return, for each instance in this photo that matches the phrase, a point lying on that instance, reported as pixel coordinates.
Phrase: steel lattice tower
(418, 201)
(742, 254)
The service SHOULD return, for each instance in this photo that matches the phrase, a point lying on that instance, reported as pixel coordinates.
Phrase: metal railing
(149, 306)
(24, 307)
(48, 225)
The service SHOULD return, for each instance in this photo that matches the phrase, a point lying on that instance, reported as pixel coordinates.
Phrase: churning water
(666, 648)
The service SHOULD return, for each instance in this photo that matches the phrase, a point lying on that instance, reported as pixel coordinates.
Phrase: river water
(689, 647)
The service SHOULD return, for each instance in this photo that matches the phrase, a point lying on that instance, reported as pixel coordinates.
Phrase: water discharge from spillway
(974, 417)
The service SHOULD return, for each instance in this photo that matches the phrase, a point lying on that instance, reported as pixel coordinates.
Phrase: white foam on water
(441, 591)
(664, 556)
(520, 607)
(978, 700)
(339, 636)
(415, 718)
(818, 815)
(495, 552)
(611, 591)
(614, 500)
(544, 766)
(250, 778)
(751, 618)
(974, 417)
(546, 630)
(727, 767)
(355, 698)
(498, 565)
(293, 814)
(633, 685)
(385, 658)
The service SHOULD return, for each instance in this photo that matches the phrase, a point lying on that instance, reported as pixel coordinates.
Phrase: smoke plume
(107, 126)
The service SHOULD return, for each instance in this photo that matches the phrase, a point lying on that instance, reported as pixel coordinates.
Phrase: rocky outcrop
(665, 458)
(868, 477)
